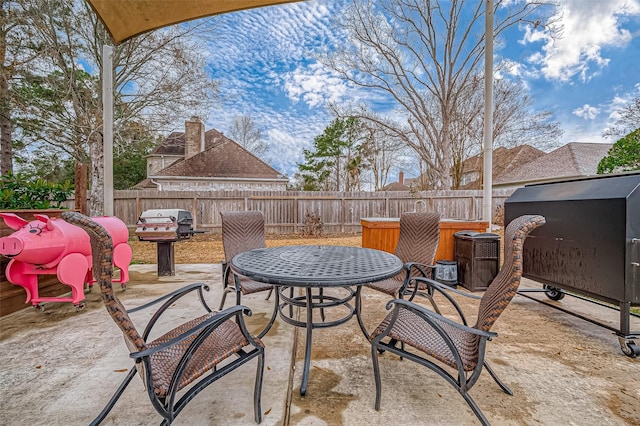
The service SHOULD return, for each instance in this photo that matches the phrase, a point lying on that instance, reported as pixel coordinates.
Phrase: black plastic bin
(478, 258)
(446, 272)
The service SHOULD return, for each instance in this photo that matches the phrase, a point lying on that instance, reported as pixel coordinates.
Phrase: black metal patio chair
(442, 344)
(417, 246)
(243, 231)
(181, 363)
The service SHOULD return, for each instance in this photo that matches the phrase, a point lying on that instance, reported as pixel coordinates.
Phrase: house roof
(396, 186)
(571, 160)
(224, 159)
(174, 144)
(504, 161)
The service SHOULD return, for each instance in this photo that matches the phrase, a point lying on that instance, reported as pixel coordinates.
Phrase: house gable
(504, 161)
(226, 159)
(575, 159)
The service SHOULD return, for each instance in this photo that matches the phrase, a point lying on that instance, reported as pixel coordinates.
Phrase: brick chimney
(193, 137)
(401, 177)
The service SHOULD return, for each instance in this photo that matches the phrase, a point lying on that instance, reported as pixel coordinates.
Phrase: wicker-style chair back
(416, 247)
(242, 231)
(102, 243)
(419, 237)
(505, 285)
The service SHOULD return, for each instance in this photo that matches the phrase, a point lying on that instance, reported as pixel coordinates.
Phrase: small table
(317, 267)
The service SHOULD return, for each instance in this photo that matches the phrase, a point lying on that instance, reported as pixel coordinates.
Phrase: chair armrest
(446, 288)
(433, 286)
(169, 299)
(420, 267)
(430, 316)
(207, 327)
(410, 267)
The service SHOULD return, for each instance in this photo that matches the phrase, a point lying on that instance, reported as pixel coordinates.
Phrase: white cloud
(587, 112)
(588, 27)
(314, 85)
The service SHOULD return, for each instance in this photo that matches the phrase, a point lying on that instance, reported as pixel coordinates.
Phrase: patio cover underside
(127, 18)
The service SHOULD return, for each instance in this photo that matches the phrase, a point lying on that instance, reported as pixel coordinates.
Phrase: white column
(488, 114)
(107, 126)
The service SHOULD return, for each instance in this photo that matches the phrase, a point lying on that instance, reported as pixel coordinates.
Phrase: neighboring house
(400, 185)
(504, 161)
(573, 160)
(199, 160)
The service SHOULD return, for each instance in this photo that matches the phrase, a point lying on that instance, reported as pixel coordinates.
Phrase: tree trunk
(6, 150)
(81, 187)
(96, 194)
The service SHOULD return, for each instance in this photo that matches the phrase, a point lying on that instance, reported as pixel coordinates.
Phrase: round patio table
(317, 268)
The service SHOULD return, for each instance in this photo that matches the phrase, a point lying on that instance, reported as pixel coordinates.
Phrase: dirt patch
(208, 248)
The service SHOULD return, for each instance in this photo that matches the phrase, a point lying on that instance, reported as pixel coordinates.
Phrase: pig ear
(51, 224)
(13, 221)
(44, 218)
(41, 217)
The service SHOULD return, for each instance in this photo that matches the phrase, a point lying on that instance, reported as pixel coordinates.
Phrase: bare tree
(158, 79)
(514, 123)
(245, 132)
(628, 120)
(15, 55)
(419, 56)
(384, 153)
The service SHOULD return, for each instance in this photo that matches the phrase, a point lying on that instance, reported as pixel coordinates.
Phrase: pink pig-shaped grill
(53, 246)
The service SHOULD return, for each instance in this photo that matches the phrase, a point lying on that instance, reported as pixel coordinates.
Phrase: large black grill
(590, 245)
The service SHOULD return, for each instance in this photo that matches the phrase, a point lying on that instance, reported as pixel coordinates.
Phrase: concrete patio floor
(59, 367)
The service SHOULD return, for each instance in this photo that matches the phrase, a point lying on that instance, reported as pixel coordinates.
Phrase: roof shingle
(224, 159)
(571, 160)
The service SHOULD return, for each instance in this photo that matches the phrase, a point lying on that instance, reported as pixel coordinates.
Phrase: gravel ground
(208, 248)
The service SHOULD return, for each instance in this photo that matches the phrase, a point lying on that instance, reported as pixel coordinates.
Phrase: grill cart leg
(166, 260)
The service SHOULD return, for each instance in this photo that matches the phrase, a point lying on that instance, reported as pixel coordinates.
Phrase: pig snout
(10, 246)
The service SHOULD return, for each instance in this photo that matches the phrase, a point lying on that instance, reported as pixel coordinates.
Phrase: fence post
(295, 215)
(194, 209)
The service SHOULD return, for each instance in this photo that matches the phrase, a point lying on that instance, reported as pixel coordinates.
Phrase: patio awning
(127, 18)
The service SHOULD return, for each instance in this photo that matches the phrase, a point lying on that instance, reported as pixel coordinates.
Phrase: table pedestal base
(310, 301)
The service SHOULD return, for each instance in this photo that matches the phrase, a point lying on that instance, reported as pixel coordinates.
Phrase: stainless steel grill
(165, 225)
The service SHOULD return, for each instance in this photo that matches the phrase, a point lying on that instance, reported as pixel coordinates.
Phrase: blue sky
(263, 59)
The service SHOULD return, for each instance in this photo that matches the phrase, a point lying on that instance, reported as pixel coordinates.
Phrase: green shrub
(20, 192)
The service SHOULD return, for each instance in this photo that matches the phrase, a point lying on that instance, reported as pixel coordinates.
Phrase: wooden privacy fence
(285, 211)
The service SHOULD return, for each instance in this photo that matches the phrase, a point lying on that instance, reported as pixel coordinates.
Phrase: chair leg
(367, 335)
(500, 383)
(273, 316)
(474, 407)
(290, 305)
(257, 392)
(114, 398)
(224, 296)
(321, 300)
(376, 375)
